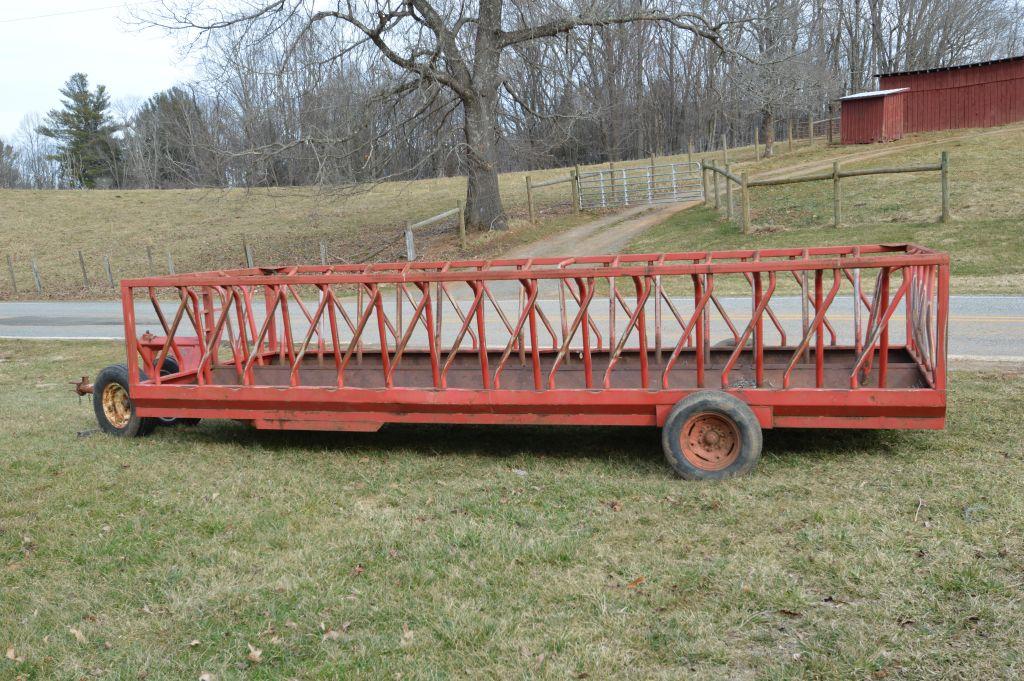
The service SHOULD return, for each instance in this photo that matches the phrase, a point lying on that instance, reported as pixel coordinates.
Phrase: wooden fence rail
(410, 244)
(836, 176)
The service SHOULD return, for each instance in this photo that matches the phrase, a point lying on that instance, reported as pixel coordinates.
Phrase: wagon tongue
(83, 387)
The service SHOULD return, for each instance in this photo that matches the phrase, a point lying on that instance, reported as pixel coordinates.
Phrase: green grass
(496, 552)
(985, 240)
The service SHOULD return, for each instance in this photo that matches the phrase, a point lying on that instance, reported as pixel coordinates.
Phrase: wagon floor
(414, 370)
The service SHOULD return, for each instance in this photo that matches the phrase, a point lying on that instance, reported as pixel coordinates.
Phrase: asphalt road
(980, 328)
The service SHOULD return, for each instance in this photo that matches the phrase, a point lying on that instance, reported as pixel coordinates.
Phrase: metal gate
(640, 185)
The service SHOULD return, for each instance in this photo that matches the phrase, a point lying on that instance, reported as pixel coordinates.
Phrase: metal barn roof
(873, 93)
(951, 68)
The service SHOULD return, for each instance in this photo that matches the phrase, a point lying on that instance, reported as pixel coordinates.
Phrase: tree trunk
(483, 197)
(769, 133)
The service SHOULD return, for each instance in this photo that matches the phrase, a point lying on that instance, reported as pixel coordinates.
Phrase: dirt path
(608, 234)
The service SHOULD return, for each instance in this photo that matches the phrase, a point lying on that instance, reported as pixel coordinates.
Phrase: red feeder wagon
(709, 346)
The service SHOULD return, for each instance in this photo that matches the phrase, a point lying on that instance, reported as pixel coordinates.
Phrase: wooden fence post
(611, 178)
(704, 183)
(410, 246)
(110, 271)
(323, 253)
(725, 150)
(757, 141)
(462, 229)
(944, 163)
(149, 259)
(10, 270)
(745, 197)
(689, 151)
(247, 252)
(837, 196)
(574, 182)
(35, 276)
(789, 134)
(718, 201)
(529, 199)
(170, 263)
(728, 195)
(810, 127)
(81, 263)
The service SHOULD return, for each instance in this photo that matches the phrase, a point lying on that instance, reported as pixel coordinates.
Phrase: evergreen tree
(10, 176)
(84, 131)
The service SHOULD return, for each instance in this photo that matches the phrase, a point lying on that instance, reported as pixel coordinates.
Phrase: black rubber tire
(136, 426)
(723, 405)
(171, 367)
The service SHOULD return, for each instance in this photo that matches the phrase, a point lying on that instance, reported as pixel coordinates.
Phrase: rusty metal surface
(354, 346)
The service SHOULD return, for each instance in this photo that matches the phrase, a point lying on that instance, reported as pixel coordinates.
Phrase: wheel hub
(117, 406)
(710, 441)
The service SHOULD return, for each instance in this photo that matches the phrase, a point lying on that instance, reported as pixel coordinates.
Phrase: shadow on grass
(632, 446)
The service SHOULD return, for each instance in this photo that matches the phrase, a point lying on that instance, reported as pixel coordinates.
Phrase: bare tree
(456, 46)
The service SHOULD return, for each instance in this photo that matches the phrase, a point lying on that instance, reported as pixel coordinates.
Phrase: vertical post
(652, 182)
(245, 252)
(757, 142)
(704, 183)
(85, 276)
(830, 125)
(110, 271)
(462, 229)
(577, 200)
(745, 197)
(149, 259)
(689, 151)
(35, 276)
(718, 201)
(611, 178)
(725, 150)
(944, 163)
(323, 253)
(789, 133)
(728, 195)
(10, 270)
(170, 263)
(410, 246)
(529, 199)
(625, 187)
(837, 196)
(810, 128)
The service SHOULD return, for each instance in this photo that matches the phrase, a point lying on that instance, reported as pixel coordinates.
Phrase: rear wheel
(113, 405)
(171, 367)
(711, 435)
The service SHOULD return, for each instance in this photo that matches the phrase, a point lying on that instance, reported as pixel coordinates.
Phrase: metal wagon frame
(352, 347)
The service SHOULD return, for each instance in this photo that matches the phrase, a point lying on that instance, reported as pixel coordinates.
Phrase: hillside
(985, 238)
(204, 228)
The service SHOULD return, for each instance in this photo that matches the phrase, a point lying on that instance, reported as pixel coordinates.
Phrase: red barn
(872, 116)
(976, 95)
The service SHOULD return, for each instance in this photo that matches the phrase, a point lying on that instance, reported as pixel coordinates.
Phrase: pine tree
(83, 129)
(10, 176)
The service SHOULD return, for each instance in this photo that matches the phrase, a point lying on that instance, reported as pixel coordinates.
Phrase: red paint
(356, 373)
(970, 96)
(872, 119)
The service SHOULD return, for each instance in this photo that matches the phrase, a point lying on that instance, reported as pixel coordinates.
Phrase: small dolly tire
(171, 367)
(711, 435)
(113, 405)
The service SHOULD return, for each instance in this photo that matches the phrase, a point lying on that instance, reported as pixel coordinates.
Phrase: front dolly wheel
(113, 405)
(711, 435)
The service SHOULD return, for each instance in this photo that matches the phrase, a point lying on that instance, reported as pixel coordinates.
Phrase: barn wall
(873, 119)
(973, 97)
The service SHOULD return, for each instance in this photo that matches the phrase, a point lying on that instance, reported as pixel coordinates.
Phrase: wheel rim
(117, 407)
(710, 441)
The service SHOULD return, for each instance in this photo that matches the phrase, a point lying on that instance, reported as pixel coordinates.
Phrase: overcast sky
(38, 53)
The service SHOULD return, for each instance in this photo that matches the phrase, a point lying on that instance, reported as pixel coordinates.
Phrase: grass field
(985, 240)
(501, 553)
(204, 229)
